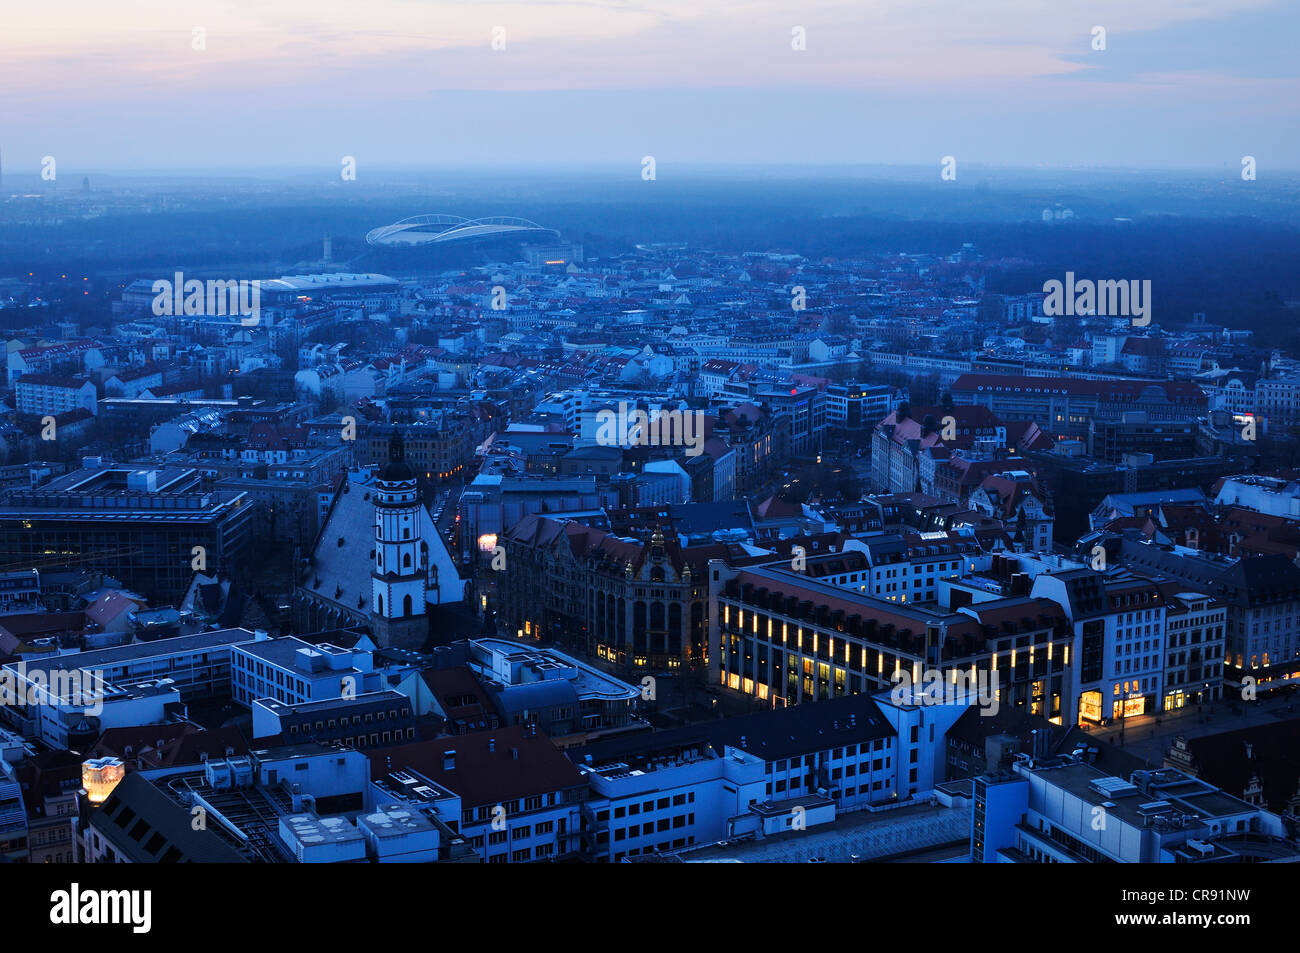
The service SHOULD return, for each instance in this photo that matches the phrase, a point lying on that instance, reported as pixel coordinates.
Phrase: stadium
(440, 240)
(434, 229)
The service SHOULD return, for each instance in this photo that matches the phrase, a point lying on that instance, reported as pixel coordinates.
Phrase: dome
(396, 470)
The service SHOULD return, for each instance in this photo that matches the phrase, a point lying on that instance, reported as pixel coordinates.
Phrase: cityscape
(369, 509)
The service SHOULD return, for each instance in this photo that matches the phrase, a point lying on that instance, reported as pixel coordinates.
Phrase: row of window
(633, 810)
(485, 812)
(650, 827)
(369, 717)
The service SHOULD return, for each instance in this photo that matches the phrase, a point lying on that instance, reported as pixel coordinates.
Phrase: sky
(158, 85)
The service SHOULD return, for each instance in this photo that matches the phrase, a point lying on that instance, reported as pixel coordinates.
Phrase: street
(1149, 736)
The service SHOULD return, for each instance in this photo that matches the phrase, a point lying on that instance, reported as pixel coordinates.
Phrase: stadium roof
(430, 229)
(329, 282)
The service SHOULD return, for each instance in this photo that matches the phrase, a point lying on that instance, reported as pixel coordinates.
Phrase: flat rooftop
(1168, 791)
(587, 681)
(862, 835)
(330, 704)
(283, 651)
(116, 656)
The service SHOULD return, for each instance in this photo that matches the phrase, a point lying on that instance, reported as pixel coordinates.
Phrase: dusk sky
(1181, 83)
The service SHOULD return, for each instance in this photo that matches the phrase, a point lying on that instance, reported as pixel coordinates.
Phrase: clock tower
(400, 574)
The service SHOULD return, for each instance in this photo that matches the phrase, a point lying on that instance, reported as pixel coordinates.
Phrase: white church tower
(400, 575)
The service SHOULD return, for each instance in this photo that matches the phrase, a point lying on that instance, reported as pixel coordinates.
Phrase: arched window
(379, 605)
(406, 605)
(406, 561)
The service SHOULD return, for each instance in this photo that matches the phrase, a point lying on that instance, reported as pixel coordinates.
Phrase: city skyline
(648, 434)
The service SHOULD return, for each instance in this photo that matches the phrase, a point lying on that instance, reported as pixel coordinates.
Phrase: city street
(1149, 736)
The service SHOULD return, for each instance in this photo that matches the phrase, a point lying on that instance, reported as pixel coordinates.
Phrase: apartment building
(49, 395)
(293, 672)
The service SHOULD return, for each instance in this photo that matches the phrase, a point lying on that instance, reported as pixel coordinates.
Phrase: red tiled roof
(490, 767)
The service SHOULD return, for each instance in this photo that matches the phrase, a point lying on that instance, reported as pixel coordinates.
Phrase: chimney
(449, 761)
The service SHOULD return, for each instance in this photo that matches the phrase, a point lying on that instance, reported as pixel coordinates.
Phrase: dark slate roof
(694, 519)
(975, 726)
(770, 735)
(486, 770)
(532, 696)
(1260, 579)
(1198, 572)
(1225, 761)
(146, 826)
(1086, 591)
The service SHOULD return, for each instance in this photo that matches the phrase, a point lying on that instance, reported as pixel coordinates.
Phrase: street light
(1123, 715)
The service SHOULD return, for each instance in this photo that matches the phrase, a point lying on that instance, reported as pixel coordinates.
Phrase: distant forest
(1229, 249)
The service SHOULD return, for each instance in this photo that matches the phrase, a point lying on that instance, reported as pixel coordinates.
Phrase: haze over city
(1005, 83)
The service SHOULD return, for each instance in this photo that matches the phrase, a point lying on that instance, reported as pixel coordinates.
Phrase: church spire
(397, 470)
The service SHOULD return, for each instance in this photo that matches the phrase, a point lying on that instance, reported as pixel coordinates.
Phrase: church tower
(400, 573)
